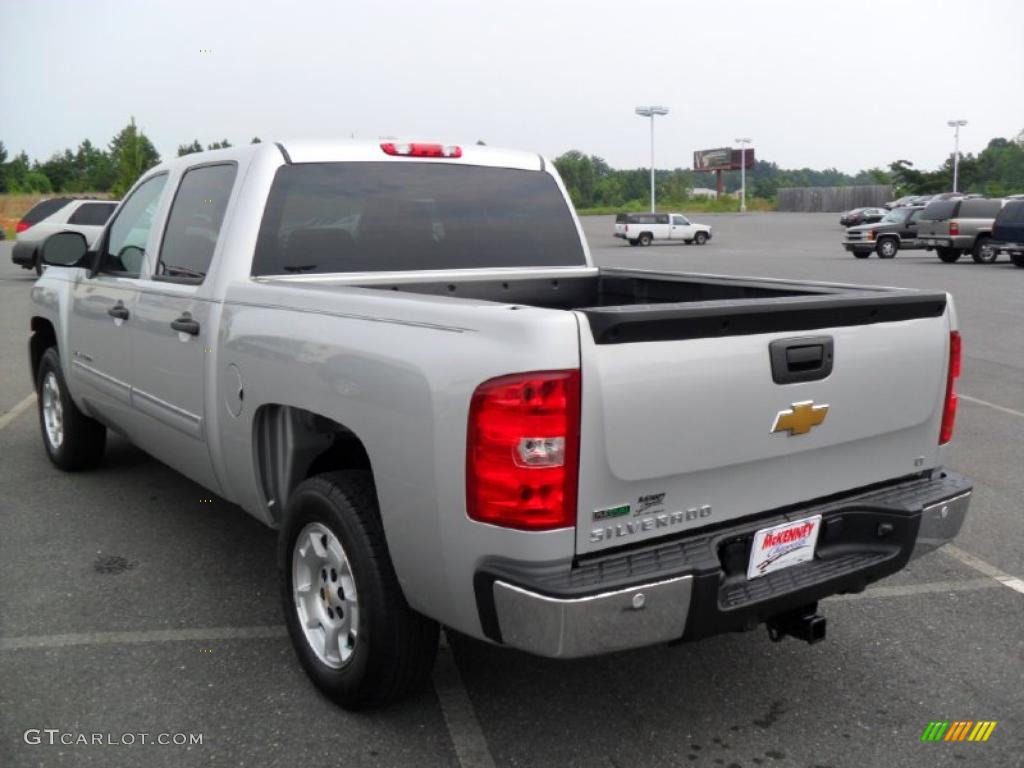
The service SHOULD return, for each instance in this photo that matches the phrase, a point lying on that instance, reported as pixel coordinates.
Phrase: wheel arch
(44, 336)
(291, 444)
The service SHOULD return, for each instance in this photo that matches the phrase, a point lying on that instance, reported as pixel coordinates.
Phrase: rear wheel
(73, 441)
(633, 241)
(700, 238)
(983, 252)
(887, 248)
(948, 255)
(645, 239)
(355, 635)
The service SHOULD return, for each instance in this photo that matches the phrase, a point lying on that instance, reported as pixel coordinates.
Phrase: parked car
(897, 230)
(645, 228)
(322, 333)
(1008, 231)
(960, 225)
(57, 214)
(862, 216)
(899, 202)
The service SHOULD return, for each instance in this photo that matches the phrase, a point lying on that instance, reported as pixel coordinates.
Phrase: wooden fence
(811, 199)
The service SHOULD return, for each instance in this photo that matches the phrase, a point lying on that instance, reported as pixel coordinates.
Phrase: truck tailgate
(677, 433)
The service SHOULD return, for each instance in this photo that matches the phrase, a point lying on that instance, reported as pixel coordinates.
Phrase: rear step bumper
(696, 585)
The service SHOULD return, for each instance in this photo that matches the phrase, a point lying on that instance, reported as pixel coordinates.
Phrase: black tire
(700, 238)
(1017, 259)
(645, 239)
(887, 248)
(983, 252)
(83, 439)
(948, 255)
(634, 241)
(861, 254)
(396, 646)
(37, 262)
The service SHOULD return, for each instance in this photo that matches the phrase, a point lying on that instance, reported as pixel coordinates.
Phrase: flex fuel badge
(605, 514)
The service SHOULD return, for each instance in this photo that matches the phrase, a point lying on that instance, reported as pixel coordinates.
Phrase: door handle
(185, 324)
(119, 311)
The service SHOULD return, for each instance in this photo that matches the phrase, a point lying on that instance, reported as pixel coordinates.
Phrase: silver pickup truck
(402, 356)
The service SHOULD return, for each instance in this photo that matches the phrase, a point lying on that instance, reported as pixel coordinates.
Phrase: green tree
(3, 161)
(132, 154)
(223, 144)
(188, 149)
(256, 140)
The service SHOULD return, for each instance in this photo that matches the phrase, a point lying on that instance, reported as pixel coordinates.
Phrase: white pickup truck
(645, 228)
(402, 356)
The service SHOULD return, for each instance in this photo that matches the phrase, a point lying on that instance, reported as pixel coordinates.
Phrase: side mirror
(65, 249)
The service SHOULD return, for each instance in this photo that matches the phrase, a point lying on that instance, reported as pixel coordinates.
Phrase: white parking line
(17, 410)
(143, 636)
(463, 726)
(930, 588)
(986, 403)
(986, 568)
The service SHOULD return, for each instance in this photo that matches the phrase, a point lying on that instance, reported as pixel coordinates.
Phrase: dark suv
(1008, 231)
(956, 227)
(897, 230)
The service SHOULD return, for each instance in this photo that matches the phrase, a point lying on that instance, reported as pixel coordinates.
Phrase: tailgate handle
(807, 358)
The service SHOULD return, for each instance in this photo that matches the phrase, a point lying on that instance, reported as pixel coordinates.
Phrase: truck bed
(631, 305)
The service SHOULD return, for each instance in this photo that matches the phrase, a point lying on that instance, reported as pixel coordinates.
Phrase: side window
(680, 220)
(194, 222)
(125, 247)
(662, 218)
(92, 214)
(914, 216)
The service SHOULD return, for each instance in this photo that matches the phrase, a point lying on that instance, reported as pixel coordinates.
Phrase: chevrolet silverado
(402, 357)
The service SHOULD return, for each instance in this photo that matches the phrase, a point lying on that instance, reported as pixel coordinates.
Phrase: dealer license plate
(782, 546)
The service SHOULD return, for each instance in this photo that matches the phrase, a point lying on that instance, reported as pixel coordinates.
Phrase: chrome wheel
(324, 592)
(53, 411)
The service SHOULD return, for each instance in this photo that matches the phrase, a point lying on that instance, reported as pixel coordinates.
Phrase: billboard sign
(722, 159)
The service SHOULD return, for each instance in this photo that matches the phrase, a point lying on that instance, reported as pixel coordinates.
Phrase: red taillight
(522, 452)
(949, 409)
(22, 226)
(421, 149)
(954, 228)
(626, 229)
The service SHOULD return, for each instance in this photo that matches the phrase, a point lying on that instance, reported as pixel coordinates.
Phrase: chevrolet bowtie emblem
(800, 419)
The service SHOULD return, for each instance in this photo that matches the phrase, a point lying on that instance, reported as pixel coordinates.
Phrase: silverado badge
(800, 419)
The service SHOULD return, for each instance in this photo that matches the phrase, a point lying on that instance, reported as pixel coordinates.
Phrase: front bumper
(695, 586)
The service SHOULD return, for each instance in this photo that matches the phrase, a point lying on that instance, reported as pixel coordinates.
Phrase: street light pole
(743, 173)
(651, 112)
(955, 125)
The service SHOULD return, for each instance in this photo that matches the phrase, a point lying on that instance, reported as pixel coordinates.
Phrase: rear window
(939, 210)
(976, 208)
(1012, 213)
(621, 218)
(92, 214)
(373, 217)
(44, 209)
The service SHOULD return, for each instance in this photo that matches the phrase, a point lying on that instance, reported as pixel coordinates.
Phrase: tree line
(90, 168)
(995, 171)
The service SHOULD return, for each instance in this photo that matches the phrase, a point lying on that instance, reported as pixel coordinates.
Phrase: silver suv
(57, 214)
(956, 227)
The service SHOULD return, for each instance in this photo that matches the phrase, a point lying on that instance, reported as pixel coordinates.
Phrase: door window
(680, 221)
(194, 223)
(124, 248)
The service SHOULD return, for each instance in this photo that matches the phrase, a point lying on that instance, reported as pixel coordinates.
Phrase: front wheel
(645, 239)
(37, 262)
(700, 238)
(355, 635)
(861, 254)
(73, 440)
(1017, 259)
(887, 248)
(983, 252)
(948, 255)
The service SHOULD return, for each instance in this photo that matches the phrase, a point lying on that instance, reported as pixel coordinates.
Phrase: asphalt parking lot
(127, 605)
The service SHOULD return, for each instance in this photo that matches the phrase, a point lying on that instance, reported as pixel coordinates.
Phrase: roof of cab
(342, 150)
